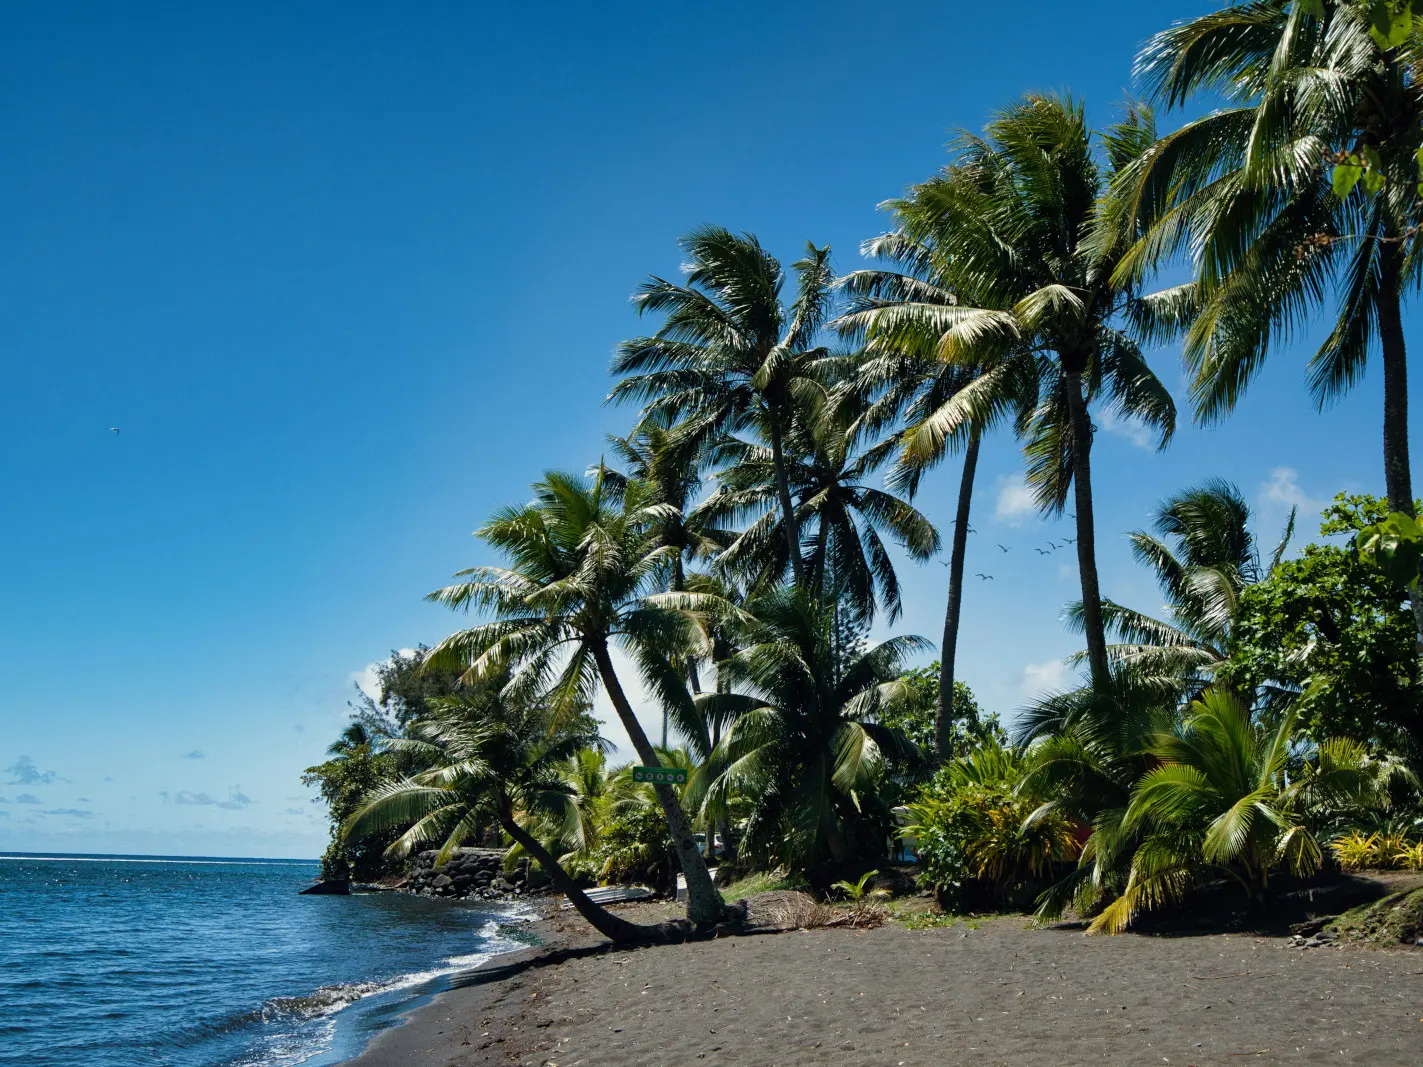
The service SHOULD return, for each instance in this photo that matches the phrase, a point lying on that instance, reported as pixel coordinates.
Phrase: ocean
(116, 961)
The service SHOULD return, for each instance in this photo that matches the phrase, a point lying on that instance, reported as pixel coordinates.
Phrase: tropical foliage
(743, 550)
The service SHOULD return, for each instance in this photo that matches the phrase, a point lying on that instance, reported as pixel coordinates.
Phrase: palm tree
(1019, 230)
(848, 562)
(1203, 559)
(583, 569)
(1246, 190)
(486, 756)
(903, 312)
(803, 743)
(1232, 795)
(730, 353)
(670, 464)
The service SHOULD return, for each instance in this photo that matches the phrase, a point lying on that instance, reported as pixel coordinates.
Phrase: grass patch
(760, 882)
(919, 918)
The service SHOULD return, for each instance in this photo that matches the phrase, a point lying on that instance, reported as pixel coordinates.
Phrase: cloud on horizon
(236, 799)
(197, 753)
(73, 812)
(25, 772)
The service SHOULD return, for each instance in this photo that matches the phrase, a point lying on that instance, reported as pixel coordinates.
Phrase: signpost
(660, 775)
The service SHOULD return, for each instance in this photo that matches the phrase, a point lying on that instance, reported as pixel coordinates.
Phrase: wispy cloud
(1282, 488)
(71, 812)
(1052, 676)
(236, 799)
(27, 798)
(1015, 500)
(1131, 429)
(25, 772)
(293, 811)
(197, 753)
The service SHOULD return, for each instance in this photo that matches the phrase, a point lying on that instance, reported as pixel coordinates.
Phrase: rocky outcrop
(328, 887)
(474, 873)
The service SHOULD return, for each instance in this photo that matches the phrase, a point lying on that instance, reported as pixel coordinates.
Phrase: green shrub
(976, 837)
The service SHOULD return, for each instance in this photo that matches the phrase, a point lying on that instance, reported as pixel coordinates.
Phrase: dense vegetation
(736, 551)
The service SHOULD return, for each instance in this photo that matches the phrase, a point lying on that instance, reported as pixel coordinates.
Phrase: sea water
(115, 961)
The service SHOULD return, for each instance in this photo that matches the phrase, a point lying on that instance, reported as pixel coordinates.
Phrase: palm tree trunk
(783, 491)
(1398, 476)
(944, 718)
(613, 927)
(1081, 445)
(704, 903)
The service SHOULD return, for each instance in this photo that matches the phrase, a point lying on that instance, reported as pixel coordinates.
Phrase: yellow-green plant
(859, 890)
(1354, 851)
(1410, 857)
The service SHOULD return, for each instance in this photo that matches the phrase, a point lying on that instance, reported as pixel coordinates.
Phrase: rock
(337, 887)
(443, 881)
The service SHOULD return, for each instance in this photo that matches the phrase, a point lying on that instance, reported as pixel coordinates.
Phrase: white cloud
(1015, 500)
(1283, 489)
(1066, 571)
(1131, 429)
(1052, 676)
(236, 799)
(367, 679)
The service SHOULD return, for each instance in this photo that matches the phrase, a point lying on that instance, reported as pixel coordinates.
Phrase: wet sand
(999, 994)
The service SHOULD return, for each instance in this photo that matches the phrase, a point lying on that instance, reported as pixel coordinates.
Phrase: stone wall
(474, 872)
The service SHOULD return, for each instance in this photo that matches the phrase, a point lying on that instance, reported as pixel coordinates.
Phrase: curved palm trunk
(704, 903)
(944, 717)
(1081, 445)
(783, 491)
(613, 927)
(1398, 477)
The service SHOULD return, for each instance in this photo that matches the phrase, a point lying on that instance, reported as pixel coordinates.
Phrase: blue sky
(347, 277)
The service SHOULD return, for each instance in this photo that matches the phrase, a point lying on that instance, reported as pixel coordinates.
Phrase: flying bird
(1003, 547)
(1070, 540)
(113, 429)
(1042, 552)
(1054, 545)
(985, 577)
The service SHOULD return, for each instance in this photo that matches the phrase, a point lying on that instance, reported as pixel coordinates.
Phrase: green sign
(660, 775)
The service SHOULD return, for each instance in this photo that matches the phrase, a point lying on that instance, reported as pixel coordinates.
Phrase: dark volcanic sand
(1001, 994)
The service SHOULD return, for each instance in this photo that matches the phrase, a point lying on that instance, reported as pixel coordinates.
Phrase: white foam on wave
(322, 1006)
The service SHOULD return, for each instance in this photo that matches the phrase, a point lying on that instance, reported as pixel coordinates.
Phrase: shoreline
(987, 993)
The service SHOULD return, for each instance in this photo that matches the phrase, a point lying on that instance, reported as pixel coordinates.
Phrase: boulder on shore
(323, 887)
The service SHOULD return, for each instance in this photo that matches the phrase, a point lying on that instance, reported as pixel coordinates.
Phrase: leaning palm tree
(848, 561)
(670, 464)
(1021, 232)
(731, 353)
(488, 759)
(804, 744)
(584, 567)
(1247, 190)
(1203, 556)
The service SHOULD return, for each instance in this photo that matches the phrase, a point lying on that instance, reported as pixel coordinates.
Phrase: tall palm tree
(731, 353)
(1246, 190)
(486, 757)
(584, 568)
(1020, 233)
(1203, 557)
(847, 561)
(902, 312)
(804, 743)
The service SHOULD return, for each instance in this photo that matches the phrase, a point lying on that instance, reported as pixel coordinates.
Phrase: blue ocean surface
(115, 961)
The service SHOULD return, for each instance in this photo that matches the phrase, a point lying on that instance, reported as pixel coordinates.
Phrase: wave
(293, 1029)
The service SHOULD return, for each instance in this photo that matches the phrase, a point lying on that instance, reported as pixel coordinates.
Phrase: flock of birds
(1052, 546)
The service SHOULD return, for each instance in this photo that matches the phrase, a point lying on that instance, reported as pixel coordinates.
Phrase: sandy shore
(999, 994)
